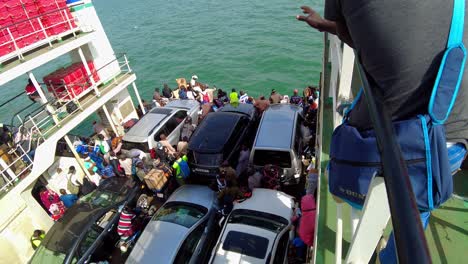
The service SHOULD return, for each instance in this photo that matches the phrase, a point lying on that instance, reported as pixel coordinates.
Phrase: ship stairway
(40, 129)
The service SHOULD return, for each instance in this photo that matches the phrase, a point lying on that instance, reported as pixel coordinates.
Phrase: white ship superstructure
(59, 110)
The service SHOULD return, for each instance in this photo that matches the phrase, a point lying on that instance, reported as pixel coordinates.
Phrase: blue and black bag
(355, 157)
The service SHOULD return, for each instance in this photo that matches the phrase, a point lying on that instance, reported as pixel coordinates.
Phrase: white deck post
(339, 233)
(88, 72)
(111, 122)
(38, 87)
(375, 216)
(355, 217)
(139, 98)
(77, 157)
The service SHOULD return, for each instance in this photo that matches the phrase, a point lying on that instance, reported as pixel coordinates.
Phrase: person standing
(275, 97)
(68, 199)
(163, 140)
(181, 168)
(402, 73)
(126, 164)
(233, 97)
(295, 98)
(187, 128)
(243, 97)
(261, 104)
(36, 238)
(182, 146)
(167, 91)
(243, 161)
(32, 92)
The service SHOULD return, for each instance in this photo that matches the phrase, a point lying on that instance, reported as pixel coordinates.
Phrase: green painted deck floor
(447, 233)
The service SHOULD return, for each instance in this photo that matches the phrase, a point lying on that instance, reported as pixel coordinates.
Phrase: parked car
(279, 141)
(167, 120)
(218, 138)
(255, 233)
(183, 230)
(87, 231)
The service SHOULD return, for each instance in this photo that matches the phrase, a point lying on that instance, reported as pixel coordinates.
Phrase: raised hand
(313, 18)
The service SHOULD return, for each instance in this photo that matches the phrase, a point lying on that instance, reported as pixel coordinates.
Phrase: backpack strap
(451, 69)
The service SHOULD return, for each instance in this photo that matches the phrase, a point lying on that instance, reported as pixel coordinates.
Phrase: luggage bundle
(156, 180)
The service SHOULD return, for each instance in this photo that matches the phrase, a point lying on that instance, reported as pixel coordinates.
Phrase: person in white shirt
(243, 97)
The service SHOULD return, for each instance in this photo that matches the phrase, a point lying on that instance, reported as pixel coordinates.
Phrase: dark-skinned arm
(324, 25)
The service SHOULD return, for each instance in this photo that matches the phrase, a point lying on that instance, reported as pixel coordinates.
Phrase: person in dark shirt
(295, 98)
(403, 68)
(167, 91)
(401, 54)
(68, 199)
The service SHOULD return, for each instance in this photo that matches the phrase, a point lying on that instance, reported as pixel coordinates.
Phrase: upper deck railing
(37, 125)
(24, 35)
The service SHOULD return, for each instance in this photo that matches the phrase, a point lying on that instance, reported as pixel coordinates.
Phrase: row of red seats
(21, 19)
(67, 83)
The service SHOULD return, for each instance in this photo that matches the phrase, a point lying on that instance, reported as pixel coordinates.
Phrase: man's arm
(314, 20)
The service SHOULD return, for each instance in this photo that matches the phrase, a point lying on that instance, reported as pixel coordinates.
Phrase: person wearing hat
(275, 97)
(295, 98)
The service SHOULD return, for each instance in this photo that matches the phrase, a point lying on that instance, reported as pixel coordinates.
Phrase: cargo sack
(355, 158)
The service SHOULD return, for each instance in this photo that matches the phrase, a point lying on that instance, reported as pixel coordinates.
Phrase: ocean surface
(249, 45)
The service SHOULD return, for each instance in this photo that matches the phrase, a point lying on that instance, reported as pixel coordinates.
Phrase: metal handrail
(410, 240)
(36, 120)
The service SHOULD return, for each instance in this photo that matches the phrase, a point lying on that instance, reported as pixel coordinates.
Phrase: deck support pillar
(38, 87)
(88, 72)
(77, 156)
(143, 110)
(111, 122)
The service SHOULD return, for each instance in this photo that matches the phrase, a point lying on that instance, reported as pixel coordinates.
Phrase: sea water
(250, 45)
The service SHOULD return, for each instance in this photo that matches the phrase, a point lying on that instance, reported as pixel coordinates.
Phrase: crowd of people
(103, 156)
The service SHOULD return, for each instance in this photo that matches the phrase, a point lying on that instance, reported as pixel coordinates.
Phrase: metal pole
(77, 156)
(88, 72)
(38, 87)
(339, 233)
(106, 112)
(409, 235)
(139, 98)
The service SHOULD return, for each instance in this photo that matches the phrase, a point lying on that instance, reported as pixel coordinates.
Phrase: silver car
(167, 120)
(279, 141)
(181, 231)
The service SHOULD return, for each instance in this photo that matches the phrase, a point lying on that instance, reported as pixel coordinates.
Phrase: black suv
(218, 138)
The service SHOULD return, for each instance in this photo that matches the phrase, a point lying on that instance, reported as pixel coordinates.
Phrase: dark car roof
(64, 232)
(214, 132)
(246, 109)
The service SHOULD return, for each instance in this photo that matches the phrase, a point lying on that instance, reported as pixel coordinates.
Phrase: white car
(257, 230)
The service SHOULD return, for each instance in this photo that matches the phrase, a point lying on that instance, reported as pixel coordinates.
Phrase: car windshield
(207, 159)
(183, 214)
(246, 244)
(258, 219)
(102, 198)
(44, 255)
(279, 158)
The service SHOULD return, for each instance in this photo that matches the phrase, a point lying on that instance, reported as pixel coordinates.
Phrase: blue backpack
(355, 157)
(184, 169)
